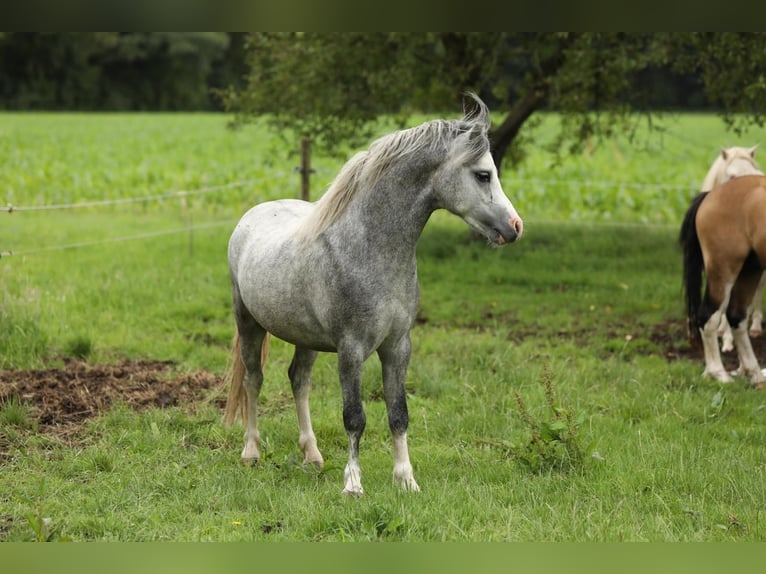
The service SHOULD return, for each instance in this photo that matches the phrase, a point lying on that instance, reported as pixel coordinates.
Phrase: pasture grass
(563, 335)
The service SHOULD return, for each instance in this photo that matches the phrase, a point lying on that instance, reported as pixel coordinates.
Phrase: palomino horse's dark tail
(694, 267)
(236, 401)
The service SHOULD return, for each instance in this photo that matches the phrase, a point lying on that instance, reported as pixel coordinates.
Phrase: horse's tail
(236, 401)
(694, 266)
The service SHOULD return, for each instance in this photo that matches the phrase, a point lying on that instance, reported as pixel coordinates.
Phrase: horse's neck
(390, 217)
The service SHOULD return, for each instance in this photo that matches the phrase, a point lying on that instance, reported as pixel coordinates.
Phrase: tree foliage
(333, 87)
(116, 70)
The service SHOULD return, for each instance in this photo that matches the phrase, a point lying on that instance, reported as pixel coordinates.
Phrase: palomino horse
(730, 163)
(340, 275)
(723, 236)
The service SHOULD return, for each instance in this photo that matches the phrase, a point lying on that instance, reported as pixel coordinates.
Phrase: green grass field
(543, 406)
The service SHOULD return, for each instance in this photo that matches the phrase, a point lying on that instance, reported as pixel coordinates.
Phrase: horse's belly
(318, 341)
(306, 293)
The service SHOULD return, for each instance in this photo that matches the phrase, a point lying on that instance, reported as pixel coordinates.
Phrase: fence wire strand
(146, 235)
(125, 200)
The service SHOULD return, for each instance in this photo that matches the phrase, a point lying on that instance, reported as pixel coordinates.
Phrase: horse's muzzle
(511, 233)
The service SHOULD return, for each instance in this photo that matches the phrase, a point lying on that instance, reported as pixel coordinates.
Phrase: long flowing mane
(366, 168)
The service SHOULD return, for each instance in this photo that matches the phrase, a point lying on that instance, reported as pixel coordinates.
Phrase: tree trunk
(504, 135)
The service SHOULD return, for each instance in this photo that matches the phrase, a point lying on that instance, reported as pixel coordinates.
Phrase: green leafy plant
(42, 526)
(554, 442)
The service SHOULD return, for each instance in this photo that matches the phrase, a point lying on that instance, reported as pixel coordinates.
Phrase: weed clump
(554, 443)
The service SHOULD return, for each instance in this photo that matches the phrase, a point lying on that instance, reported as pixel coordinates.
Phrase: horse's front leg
(354, 420)
(748, 363)
(395, 360)
(300, 381)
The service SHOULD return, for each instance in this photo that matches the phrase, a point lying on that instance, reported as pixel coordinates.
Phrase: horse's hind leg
(300, 381)
(251, 341)
(724, 331)
(710, 315)
(756, 307)
(395, 360)
(741, 303)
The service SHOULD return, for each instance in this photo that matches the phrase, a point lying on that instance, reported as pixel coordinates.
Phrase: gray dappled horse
(340, 275)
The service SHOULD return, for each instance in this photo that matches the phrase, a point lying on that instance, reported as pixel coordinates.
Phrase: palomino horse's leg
(394, 361)
(300, 380)
(748, 363)
(756, 323)
(713, 365)
(741, 303)
(350, 361)
(724, 331)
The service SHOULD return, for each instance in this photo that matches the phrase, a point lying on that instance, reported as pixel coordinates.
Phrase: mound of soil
(62, 397)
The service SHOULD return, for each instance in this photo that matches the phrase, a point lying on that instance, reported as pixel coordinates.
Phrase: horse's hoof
(250, 461)
(317, 463)
(409, 485)
(757, 380)
(353, 492)
(720, 376)
(755, 333)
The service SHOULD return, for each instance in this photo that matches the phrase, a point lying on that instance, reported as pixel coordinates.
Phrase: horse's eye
(483, 176)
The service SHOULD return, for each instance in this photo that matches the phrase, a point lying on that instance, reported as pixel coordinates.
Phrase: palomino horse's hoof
(720, 376)
(355, 493)
(409, 485)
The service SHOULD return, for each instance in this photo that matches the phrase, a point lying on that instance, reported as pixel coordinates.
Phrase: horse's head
(467, 183)
(738, 161)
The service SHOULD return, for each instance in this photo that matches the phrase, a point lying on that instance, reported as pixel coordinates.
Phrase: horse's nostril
(518, 226)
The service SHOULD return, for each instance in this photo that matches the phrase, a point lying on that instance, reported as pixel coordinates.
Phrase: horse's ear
(475, 110)
(752, 151)
(724, 154)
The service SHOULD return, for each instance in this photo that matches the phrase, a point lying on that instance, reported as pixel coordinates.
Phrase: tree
(160, 70)
(48, 70)
(117, 70)
(333, 87)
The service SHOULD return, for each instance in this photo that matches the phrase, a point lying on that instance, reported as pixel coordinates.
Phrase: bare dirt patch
(672, 338)
(64, 397)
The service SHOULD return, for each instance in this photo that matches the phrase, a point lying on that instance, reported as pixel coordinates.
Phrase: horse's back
(266, 225)
(732, 216)
(736, 196)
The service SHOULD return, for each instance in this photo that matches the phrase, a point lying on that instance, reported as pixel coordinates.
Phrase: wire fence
(176, 194)
(191, 228)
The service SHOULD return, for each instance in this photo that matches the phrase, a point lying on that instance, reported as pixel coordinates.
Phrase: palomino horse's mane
(366, 168)
(717, 172)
